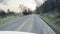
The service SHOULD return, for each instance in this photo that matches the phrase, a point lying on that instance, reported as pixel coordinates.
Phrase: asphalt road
(30, 23)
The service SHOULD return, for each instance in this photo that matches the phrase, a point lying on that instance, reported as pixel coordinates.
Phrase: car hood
(14, 32)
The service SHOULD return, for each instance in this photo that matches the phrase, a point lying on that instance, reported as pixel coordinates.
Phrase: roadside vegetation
(53, 20)
(11, 15)
(7, 16)
(7, 19)
(50, 13)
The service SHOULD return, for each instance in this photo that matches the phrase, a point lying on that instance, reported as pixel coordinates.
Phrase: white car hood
(14, 32)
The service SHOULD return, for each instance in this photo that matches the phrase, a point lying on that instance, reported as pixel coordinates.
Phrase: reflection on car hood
(14, 32)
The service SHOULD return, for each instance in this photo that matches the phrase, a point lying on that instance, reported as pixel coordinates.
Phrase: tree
(2, 14)
(10, 13)
(25, 12)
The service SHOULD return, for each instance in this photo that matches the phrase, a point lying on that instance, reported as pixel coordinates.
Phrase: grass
(52, 20)
(7, 19)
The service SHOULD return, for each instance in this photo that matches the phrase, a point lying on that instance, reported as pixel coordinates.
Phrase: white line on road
(22, 25)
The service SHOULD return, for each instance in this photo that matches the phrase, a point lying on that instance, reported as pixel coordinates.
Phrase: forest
(50, 12)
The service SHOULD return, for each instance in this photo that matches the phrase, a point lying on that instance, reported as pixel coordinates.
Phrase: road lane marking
(9, 27)
(22, 25)
(30, 27)
(6, 26)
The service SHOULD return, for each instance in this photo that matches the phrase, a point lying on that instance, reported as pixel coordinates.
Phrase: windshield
(30, 16)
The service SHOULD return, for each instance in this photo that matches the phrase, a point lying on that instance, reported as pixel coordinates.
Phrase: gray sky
(14, 4)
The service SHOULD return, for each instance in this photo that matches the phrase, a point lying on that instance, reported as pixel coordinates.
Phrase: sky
(14, 5)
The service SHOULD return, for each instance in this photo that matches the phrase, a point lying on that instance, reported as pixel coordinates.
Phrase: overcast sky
(14, 4)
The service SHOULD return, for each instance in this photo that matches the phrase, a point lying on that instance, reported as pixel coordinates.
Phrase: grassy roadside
(52, 22)
(7, 19)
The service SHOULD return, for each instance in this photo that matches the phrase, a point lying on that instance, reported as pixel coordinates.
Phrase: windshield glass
(30, 16)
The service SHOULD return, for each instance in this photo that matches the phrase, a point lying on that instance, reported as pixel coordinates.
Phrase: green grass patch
(7, 19)
(52, 20)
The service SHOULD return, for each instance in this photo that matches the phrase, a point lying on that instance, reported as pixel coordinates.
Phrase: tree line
(49, 6)
(50, 10)
(4, 14)
(27, 12)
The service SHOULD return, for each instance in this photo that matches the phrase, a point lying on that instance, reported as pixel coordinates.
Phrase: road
(30, 23)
